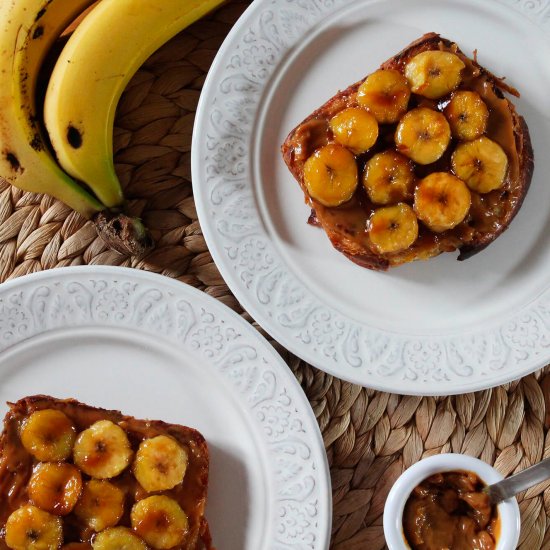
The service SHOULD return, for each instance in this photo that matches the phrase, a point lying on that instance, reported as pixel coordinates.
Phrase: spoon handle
(519, 482)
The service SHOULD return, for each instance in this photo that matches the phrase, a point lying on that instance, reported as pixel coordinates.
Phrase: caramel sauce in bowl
(415, 484)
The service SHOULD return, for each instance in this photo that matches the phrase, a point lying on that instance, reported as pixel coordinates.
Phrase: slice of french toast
(76, 476)
(425, 155)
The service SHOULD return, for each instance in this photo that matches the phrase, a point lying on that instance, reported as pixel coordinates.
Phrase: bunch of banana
(100, 57)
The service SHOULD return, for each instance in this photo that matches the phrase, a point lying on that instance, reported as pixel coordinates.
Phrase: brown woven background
(370, 437)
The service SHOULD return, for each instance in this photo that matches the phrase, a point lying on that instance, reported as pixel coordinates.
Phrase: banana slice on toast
(160, 521)
(30, 528)
(388, 178)
(119, 538)
(101, 504)
(55, 487)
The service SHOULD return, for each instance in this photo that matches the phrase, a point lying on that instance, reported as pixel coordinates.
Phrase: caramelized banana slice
(101, 505)
(330, 175)
(355, 128)
(441, 201)
(467, 115)
(103, 450)
(118, 538)
(159, 521)
(423, 135)
(481, 163)
(393, 228)
(48, 435)
(434, 74)
(55, 487)
(29, 528)
(160, 463)
(388, 178)
(386, 94)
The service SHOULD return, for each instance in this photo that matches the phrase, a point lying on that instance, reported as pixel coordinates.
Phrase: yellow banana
(29, 28)
(102, 55)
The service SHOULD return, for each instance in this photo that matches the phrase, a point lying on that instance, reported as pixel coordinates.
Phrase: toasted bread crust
(338, 231)
(16, 464)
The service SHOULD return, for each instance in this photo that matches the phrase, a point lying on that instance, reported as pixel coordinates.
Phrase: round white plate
(155, 348)
(435, 327)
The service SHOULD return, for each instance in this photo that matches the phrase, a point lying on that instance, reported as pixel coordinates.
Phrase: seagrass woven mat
(370, 437)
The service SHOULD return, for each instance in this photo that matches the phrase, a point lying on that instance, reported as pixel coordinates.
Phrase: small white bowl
(395, 504)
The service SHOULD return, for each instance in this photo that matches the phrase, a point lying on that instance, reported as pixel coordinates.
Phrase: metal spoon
(519, 482)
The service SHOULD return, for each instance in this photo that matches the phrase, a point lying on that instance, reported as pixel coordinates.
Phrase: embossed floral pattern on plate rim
(256, 272)
(182, 316)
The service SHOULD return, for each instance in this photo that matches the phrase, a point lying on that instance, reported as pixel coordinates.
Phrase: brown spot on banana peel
(38, 32)
(36, 143)
(41, 13)
(13, 161)
(74, 137)
(123, 233)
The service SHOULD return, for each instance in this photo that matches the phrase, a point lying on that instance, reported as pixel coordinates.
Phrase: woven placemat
(370, 437)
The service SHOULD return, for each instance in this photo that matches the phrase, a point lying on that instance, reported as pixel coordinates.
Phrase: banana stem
(123, 233)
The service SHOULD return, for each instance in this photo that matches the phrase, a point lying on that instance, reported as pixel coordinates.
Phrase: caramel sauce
(489, 213)
(157, 520)
(449, 510)
(16, 466)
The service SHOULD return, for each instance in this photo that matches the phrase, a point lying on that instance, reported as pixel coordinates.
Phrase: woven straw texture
(370, 437)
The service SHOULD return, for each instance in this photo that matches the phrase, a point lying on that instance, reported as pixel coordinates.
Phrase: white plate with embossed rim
(427, 328)
(155, 348)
